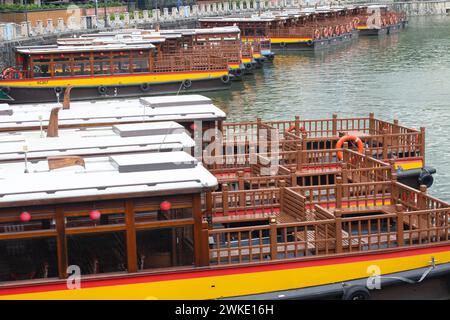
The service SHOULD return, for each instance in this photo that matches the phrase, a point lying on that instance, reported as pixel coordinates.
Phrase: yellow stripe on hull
(114, 80)
(246, 60)
(245, 283)
(409, 165)
(289, 40)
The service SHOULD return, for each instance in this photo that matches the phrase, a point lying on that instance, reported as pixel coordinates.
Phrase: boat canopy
(113, 177)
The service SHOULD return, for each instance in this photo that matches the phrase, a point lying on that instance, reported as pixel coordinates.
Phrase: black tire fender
(187, 83)
(225, 78)
(356, 293)
(101, 90)
(145, 87)
(58, 90)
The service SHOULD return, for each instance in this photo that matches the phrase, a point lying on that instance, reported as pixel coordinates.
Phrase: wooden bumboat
(164, 226)
(379, 20)
(111, 69)
(295, 29)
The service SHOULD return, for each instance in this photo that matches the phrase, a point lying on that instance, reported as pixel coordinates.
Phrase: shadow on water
(404, 76)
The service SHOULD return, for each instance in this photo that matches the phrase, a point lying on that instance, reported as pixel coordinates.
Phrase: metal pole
(96, 8)
(106, 19)
(26, 18)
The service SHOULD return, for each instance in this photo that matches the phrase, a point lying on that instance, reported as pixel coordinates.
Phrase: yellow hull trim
(289, 40)
(244, 283)
(114, 80)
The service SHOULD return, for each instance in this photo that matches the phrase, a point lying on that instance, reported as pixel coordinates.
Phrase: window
(24, 259)
(62, 69)
(165, 247)
(32, 225)
(158, 215)
(98, 252)
(82, 68)
(101, 67)
(140, 65)
(41, 69)
(121, 65)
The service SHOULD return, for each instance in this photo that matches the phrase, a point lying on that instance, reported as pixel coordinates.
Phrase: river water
(404, 76)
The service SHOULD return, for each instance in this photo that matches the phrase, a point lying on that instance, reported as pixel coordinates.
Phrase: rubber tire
(225, 78)
(425, 178)
(248, 66)
(356, 293)
(58, 90)
(102, 90)
(238, 72)
(187, 83)
(145, 87)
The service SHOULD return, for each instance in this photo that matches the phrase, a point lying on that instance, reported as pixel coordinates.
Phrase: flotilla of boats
(159, 197)
(137, 62)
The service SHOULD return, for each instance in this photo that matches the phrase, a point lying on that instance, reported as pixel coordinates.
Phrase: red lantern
(193, 126)
(95, 215)
(25, 216)
(41, 57)
(62, 56)
(165, 205)
(140, 52)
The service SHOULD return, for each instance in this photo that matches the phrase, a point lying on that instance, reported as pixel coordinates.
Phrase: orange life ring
(330, 31)
(356, 20)
(343, 29)
(9, 72)
(384, 21)
(325, 32)
(346, 138)
(337, 30)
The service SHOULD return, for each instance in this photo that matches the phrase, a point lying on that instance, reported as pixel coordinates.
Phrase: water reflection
(404, 76)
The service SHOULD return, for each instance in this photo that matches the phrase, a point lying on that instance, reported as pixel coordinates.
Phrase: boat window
(121, 65)
(61, 69)
(158, 215)
(82, 68)
(98, 252)
(140, 65)
(25, 259)
(87, 219)
(101, 67)
(32, 225)
(165, 247)
(41, 69)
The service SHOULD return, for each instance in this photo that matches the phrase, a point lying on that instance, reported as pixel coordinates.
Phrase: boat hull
(21, 91)
(239, 280)
(374, 32)
(318, 44)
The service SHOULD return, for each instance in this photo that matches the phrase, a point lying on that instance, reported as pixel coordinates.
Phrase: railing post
(241, 187)
(422, 144)
(334, 125)
(345, 153)
(338, 221)
(400, 236)
(395, 194)
(258, 125)
(304, 158)
(209, 205)
(225, 198)
(204, 250)
(299, 159)
(422, 198)
(273, 237)
(385, 144)
(372, 123)
(293, 177)
(282, 190)
(339, 192)
(297, 125)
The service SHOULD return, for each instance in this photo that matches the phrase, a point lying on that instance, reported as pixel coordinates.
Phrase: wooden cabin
(109, 69)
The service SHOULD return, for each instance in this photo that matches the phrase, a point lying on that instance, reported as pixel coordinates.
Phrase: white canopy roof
(167, 172)
(127, 138)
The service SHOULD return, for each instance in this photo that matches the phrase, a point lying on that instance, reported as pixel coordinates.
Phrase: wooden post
(385, 144)
(61, 242)
(297, 126)
(334, 125)
(345, 153)
(204, 245)
(345, 178)
(422, 145)
(209, 205)
(225, 198)
(130, 236)
(304, 157)
(241, 187)
(282, 190)
(293, 177)
(339, 192)
(338, 221)
(372, 123)
(422, 198)
(395, 131)
(299, 160)
(273, 237)
(258, 126)
(400, 236)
